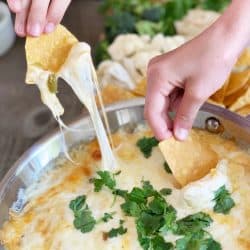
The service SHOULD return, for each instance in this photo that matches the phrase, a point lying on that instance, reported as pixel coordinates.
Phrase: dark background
(23, 118)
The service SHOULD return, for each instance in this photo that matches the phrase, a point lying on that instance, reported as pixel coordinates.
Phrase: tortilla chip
(244, 59)
(189, 160)
(113, 93)
(219, 96)
(244, 111)
(229, 100)
(242, 101)
(237, 81)
(49, 51)
(215, 103)
(140, 89)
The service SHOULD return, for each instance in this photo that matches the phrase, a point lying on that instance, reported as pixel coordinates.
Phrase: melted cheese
(46, 221)
(78, 71)
(206, 187)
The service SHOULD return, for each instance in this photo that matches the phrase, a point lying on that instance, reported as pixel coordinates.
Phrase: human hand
(34, 17)
(182, 80)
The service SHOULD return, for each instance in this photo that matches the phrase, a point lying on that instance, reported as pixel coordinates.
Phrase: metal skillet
(30, 166)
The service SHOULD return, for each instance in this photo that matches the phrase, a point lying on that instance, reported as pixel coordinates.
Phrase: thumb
(186, 113)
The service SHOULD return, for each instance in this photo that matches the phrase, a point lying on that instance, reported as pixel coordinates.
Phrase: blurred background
(24, 119)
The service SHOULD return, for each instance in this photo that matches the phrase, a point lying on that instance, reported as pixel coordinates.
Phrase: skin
(181, 80)
(34, 17)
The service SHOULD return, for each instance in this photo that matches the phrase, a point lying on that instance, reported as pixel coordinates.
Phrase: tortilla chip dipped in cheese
(189, 160)
(59, 54)
(49, 51)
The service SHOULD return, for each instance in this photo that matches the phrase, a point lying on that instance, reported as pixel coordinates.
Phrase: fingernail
(49, 27)
(35, 30)
(181, 134)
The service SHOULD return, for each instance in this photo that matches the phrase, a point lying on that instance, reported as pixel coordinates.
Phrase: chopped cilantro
(166, 191)
(78, 203)
(158, 243)
(106, 217)
(216, 5)
(120, 192)
(197, 241)
(83, 219)
(131, 208)
(193, 223)
(146, 145)
(106, 179)
(114, 232)
(223, 201)
(167, 168)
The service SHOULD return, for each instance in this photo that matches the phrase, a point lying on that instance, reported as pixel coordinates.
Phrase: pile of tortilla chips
(234, 95)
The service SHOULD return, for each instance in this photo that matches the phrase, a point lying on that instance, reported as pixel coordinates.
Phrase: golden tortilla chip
(140, 89)
(215, 103)
(244, 59)
(241, 101)
(219, 95)
(112, 93)
(189, 160)
(244, 111)
(229, 100)
(49, 51)
(237, 81)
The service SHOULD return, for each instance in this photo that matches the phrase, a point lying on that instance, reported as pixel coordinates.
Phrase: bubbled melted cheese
(47, 222)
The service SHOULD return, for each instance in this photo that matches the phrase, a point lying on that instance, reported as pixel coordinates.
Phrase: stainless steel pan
(29, 167)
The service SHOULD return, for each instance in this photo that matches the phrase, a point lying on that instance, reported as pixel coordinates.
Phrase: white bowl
(7, 33)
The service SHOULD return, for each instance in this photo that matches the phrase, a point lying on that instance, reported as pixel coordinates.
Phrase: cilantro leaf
(84, 221)
(149, 224)
(166, 191)
(200, 240)
(158, 243)
(146, 145)
(169, 221)
(167, 168)
(120, 192)
(114, 232)
(78, 203)
(193, 223)
(157, 205)
(131, 208)
(223, 201)
(106, 217)
(106, 179)
(216, 5)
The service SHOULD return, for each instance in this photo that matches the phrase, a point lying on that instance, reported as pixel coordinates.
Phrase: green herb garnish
(107, 217)
(216, 5)
(83, 221)
(106, 179)
(167, 168)
(52, 83)
(197, 241)
(193, 223)
(146, 145)
(223, 201)
(166, 191)
(114, 232)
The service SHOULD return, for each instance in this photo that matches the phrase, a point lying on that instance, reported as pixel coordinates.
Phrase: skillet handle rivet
(213, 125)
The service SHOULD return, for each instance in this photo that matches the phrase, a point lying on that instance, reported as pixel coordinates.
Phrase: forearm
(234, 24)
